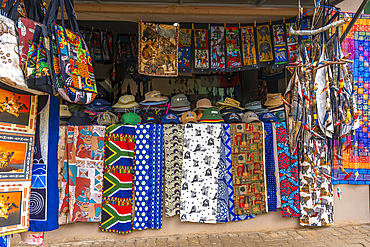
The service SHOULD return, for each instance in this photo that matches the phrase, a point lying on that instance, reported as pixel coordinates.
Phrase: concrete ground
(356, 235)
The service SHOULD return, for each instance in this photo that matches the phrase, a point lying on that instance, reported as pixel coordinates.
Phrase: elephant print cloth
(173, 146)
(85, 172)
(199, 183)
(316, 190)
(158, 49)
(249, 178)
(148, 176)
(118, 177)
(288, 171)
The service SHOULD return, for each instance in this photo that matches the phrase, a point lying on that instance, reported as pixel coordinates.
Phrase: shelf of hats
(204, 122)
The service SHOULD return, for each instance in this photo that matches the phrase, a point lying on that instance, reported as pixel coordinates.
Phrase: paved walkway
(358, 235)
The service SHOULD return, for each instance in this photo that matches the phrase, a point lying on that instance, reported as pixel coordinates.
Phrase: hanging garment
(200, 173)
(85, 172)
(148, 176)
(118, 177)
(288, 170)
(270, 167)
(173, 147)
(44, 189)
(63, 176)
(249, 178)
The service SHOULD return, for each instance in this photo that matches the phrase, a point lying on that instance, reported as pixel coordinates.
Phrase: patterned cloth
(288, 169)
(117, 182)
(270, 167)
(32, 238)
(5, 241)
(218, 48)
(226, 157)
(173, 146)
(63, 176)
(249, 179)
(200, 173)
(148, 176)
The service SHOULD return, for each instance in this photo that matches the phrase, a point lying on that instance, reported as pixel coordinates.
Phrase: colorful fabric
(288, 170)
(292, 43)
(226, 158)
(118, 178)
(32, 238)
(148, 176)
(248, 46)
(201, 50)
(158, 49)
(173, 147)
(5, 241)
(44, 190)
(200, 173)
(280, 47)
(249, 178)
(270, 167)
(218, 48)
(96, 47)
(63, 176)
(184, 48)
(85, 172)
(264, 46)
(234, 56)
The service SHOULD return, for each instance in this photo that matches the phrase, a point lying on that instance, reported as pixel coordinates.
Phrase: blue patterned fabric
(226, 156)
(44, 198)
(5, 241)
(222, 193)
(148, 176)
(270, 167)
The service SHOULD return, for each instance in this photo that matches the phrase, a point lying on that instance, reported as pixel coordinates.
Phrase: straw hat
(229, 102)
(273, 100)
(154, 96)
(64, 112)
(126, 102)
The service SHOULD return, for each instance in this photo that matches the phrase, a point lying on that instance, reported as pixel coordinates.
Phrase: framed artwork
(16, 151)
(15, 205)
(17, 112)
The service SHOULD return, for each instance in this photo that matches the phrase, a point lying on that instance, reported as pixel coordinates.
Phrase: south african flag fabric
(118, 177)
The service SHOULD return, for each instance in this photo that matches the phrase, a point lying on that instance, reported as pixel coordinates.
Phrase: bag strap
(51, 13)
(11, 8)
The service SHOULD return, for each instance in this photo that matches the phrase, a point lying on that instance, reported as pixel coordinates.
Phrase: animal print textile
(249, 178)
(158, 49)
(280, 47)
(148, 176)
(200, 173)
(265, 51)
(201, 49)
(173, 147)
(248, 46)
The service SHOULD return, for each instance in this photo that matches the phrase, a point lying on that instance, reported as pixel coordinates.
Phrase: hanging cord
(321, 29)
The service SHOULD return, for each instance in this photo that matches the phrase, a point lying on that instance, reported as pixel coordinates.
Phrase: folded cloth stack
(179, 105)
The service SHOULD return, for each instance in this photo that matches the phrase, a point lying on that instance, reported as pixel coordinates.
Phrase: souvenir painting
(158, 49)
(234, 58)
(292, 43)
(17, 112)
(280, 47)
(14, 201)
(264, 46)
(185, 49)
(218, 48)
(248, 46)
(97, 49)
(201, 49)
(16, 152)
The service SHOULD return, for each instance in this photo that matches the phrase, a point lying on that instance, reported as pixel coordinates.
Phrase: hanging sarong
(270, 167)
(63, 176)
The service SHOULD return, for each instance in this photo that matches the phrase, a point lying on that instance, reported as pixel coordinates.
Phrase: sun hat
(249, 117)
(64, 112)
(75, 107)
(126, 101)
(130, 118)
(79, 119)
(189, 117)
(170, 118)
(211, 115)
(154, 103)
(154, 96)
(232, 118)
(107, 118)
(273, 100)
(280, 115)
(203, 104)
(267, 117)
(151, 118)
(179, 100)
(99, 105)
(251, 106)
(229, 102)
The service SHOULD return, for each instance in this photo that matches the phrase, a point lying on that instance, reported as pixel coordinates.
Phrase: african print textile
(63, 176)
(173, 147)
(226, 158)
(85, 172)
(234, 56)
(201, 49)
(264, 46)
(200, 168)
(316, 190)
(249, 178)
(118, 178)
(32, 238)
(288, 170)
(292, 43)
(148, 176)
(158, 49)
(185, 49)
(5, 241)
(270, 167)
(44, 190)
(248, 46)
(357, 156)
(280, 47)
(218, 61)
